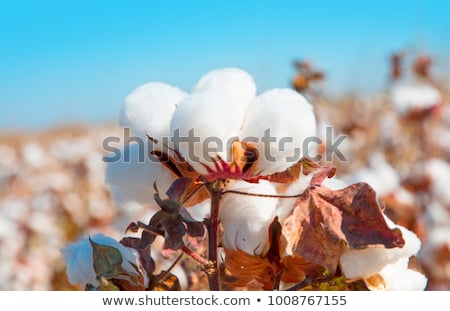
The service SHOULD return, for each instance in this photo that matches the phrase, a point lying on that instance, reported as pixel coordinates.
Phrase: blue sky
(75, 61)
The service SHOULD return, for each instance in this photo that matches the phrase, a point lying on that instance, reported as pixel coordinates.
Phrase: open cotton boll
(439, 171)
(284, 116)
(397, 277)
(237, 84)
(79, 259)
(406, 98)
(131, 180)
(207, 123)
(380, 175)
(148, 109)
(246, 219)
(370, 261)
(433, 253)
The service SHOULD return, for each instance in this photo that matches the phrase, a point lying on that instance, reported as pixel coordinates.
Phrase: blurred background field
(66, 68)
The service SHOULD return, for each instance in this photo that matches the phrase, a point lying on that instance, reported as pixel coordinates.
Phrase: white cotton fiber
(132, 181)
(291, 121)
(370, 261)
(237, 84)
(148, 109)
(213, 122)
(406, 98)
(246, 219)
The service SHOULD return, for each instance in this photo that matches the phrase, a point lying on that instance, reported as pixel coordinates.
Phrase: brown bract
(324, 223)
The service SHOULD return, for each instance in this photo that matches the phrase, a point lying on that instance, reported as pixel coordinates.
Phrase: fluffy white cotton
(290, 119)
(439, 171)
(246, 219)
(397, 277)
(211, 119)
(438, 239)
(406, 98)
(131, 180)
(148, 109)
(370, 261)
(286, 205)
(235, 83)
(34, 156)
(79, 260)
(335, 183)
(380, 175)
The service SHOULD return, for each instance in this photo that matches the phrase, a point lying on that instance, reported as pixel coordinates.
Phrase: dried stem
(212, 226)
(195, 256)
(301, 285)
(263, 195)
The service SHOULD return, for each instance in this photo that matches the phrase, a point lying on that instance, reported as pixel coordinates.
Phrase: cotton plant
(242, 200)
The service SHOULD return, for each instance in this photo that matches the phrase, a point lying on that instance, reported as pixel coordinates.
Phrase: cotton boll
(406, 98)
(437, 242)
(370, 261)
(439, 171)
(237, 84)
(397, 277)
(289, 118)
(436, 214)
(148, 109)
(246, 219)
(130, 179)
(79, 260)
(34, 155)
(380, 175)
(210, 119)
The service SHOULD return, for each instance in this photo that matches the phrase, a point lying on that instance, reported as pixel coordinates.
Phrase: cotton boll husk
(133, 180)
(290, 117)
(237, 84)
(213, 119)
(246, 219)
(370, 261)
(79, 260)
(406, 98)
(149, 108)
(397, 277)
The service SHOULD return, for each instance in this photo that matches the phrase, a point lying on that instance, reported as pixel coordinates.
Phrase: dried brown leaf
(325, 222)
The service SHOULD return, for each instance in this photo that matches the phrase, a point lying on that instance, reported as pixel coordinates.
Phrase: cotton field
(60, 186)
